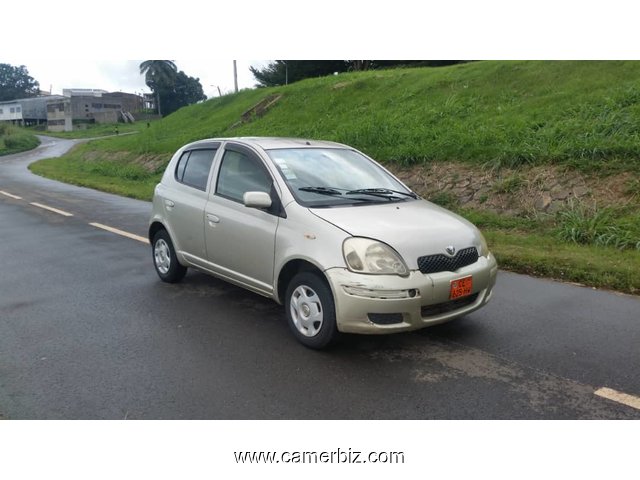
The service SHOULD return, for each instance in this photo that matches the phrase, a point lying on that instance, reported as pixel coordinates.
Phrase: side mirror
(256, 199)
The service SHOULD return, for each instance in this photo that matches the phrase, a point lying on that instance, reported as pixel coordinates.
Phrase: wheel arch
(154, 228)
(290, 270)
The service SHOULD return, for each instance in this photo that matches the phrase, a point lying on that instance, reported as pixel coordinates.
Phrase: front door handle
(212, 219)
(169, 203)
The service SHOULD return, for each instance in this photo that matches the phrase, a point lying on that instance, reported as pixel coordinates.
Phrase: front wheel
(165, 260)
(311, 310)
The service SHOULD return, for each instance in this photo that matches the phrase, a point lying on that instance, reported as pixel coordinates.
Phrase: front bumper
(397, 304)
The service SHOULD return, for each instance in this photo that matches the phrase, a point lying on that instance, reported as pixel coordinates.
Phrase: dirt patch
(152, 163)
(340, 85)
(544, 189)
(97, 156)
(258, 110)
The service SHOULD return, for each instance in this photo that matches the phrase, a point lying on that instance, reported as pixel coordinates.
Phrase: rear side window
(193, 168)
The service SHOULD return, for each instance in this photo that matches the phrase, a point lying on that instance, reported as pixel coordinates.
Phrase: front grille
(446, 307)
(442, 263)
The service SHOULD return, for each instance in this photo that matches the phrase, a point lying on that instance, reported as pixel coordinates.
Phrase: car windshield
(327, 177)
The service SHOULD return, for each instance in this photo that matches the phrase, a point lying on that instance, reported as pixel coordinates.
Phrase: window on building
(1, 112)
(18, 109)
(12, 110)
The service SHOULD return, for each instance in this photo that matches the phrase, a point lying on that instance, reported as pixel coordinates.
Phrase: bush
(592, 226)
(444, 199)
(13, 140)
(509, 184)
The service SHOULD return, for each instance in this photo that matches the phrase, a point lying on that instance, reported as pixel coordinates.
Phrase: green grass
(536, 246)
(632, 188)
(582, 114)
(97, 130)
(490, 114)
(588, 225)
(510, 184)
(445, 199)
(14, 139)
(120, 176)
(543, 255)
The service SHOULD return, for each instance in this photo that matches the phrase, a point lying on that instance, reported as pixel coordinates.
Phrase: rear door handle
(212, 219)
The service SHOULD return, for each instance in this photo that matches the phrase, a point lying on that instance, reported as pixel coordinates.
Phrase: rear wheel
(165, 260)
(311, 310)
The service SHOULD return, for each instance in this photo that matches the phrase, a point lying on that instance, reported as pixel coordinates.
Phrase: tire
(164, 258)
(311, 310)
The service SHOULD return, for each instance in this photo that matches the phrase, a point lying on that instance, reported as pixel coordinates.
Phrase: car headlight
(484, 248)
(364, 255)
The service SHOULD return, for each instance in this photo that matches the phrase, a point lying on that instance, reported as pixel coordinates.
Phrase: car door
(240, 241)
(185, 202)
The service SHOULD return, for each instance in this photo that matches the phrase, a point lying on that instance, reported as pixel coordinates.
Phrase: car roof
(272, 143)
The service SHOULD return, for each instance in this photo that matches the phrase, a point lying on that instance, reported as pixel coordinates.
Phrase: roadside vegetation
(540, 247)
(14, 139)
(583, 116)
(92, 130)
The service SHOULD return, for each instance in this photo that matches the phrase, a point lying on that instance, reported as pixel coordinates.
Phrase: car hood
(412, 228)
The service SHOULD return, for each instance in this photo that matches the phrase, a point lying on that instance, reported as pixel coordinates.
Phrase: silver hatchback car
(321, 228)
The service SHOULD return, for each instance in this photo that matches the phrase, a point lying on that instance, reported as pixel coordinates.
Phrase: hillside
(508, 113)
(533, 152)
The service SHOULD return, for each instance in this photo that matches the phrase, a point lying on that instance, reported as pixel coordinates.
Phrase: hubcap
(306, 311)
(162, 256)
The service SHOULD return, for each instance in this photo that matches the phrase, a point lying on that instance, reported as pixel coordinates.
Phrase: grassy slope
(584, 114)
(97, 130)
(14, 140)
(581, 114)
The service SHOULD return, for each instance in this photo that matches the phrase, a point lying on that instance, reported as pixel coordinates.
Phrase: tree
(414, 63)
(185, 91)
(15, 82)
(281, 72)
(159, 74)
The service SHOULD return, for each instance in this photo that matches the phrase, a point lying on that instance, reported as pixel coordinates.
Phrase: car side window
(193, 168)
(239, 174)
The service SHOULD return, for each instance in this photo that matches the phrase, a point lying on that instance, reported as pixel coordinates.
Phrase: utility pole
(235, 76)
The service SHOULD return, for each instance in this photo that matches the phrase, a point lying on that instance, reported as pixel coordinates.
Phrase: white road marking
(10, 195)
(120, 232)
(51, 209)
(624, 398)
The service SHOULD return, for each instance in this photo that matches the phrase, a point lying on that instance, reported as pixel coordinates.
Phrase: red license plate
(460, 287)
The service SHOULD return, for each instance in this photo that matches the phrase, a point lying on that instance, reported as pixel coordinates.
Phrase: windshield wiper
(380, 192)
(321, 190)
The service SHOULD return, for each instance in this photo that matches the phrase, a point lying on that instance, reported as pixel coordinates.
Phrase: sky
(202, 44)
(124, 75)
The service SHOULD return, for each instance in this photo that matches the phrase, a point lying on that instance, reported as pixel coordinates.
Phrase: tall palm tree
(158, 73)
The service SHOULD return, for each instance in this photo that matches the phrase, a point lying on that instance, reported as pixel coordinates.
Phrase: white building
(83, 92)
(11, 111)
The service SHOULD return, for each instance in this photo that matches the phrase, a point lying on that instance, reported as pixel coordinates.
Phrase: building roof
(83, 92)
(32, 99)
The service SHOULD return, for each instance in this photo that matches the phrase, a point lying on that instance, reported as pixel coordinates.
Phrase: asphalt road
(87, 331)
